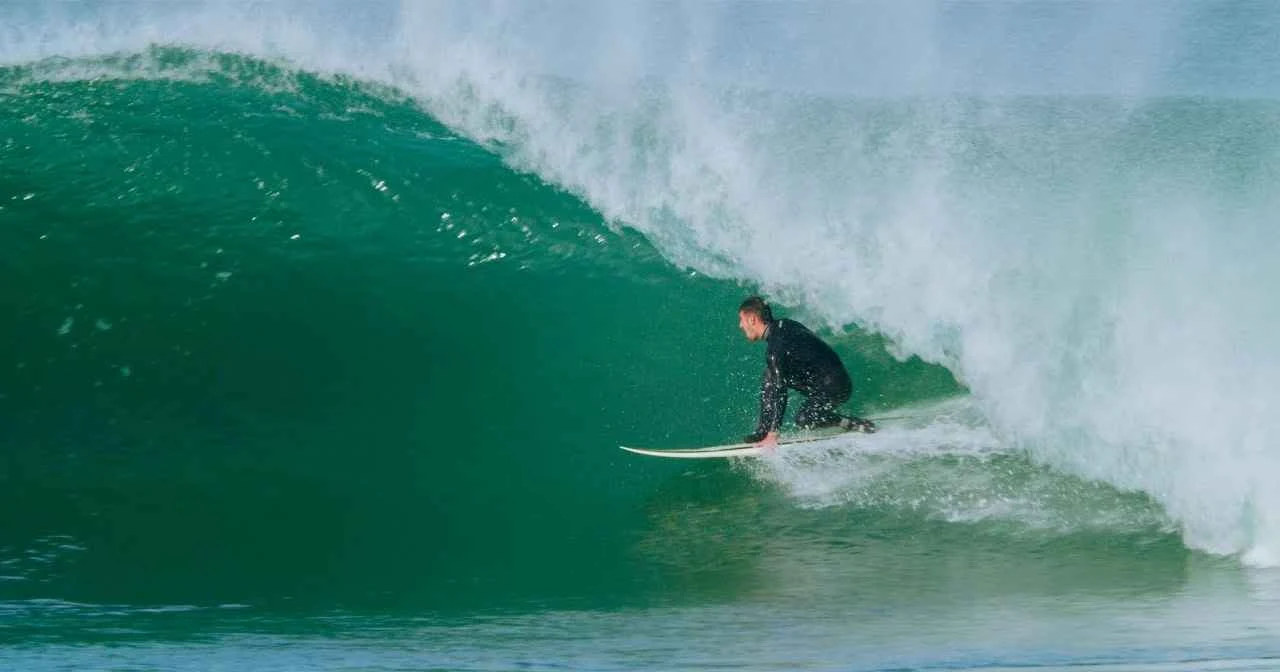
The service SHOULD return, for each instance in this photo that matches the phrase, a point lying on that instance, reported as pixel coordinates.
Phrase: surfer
(796, 359)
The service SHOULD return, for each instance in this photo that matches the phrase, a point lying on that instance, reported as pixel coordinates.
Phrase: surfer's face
(751, 325)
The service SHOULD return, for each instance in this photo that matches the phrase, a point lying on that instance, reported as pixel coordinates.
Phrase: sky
(1109, 47)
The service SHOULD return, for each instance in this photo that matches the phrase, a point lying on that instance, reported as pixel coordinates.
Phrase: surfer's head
(754, 317)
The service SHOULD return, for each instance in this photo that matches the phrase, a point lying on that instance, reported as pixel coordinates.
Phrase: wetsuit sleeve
(773, 397)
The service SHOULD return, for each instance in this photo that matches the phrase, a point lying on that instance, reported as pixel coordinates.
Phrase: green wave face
(274, 335)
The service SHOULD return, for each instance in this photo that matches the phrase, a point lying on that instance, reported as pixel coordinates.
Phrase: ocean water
(320, 324)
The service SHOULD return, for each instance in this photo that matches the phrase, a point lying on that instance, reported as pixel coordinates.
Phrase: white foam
(943, 463)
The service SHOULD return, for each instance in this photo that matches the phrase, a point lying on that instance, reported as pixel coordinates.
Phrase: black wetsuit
(795, 359)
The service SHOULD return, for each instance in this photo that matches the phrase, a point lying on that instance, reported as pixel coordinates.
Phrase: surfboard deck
(729, 450)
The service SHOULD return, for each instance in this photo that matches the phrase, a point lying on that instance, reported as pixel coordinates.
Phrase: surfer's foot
(857, 425)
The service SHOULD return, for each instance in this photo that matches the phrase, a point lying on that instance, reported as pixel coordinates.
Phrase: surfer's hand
(768, 441)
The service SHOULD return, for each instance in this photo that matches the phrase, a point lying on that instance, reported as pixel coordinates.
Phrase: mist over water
(1069, 206)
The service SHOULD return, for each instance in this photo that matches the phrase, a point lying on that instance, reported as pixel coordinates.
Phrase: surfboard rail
(728, 450)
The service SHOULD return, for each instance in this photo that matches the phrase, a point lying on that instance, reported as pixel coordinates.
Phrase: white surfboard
(729, 450)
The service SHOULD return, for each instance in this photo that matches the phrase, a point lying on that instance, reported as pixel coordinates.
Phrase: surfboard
(728, 450)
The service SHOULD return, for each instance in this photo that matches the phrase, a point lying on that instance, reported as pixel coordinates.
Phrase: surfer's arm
(773, 402)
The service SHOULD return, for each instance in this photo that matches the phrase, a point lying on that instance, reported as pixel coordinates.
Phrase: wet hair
(756, 306)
